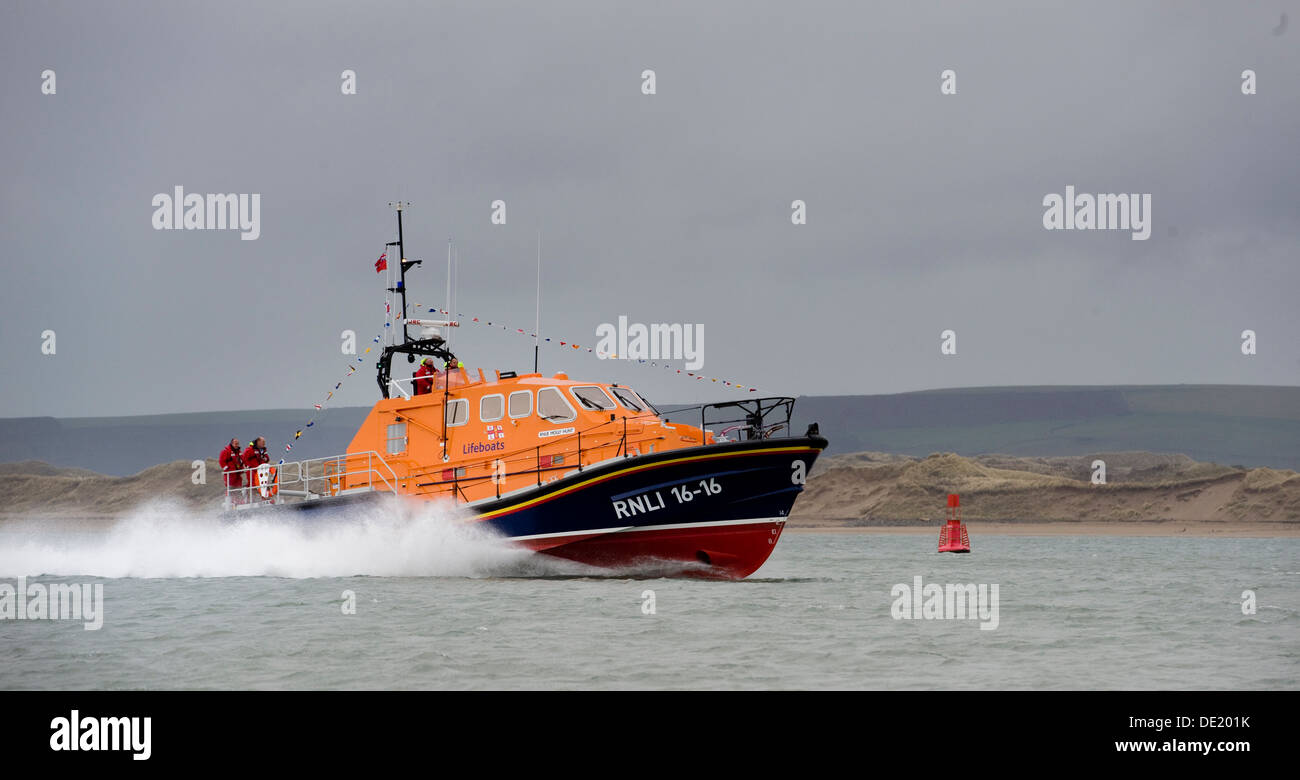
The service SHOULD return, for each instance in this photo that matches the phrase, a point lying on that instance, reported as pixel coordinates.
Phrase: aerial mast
(403, 265)
(537, 323)
(428, 343)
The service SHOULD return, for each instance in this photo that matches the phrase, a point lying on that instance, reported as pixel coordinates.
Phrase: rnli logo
(494, 434)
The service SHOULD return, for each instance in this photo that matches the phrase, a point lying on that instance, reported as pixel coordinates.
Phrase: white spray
(389, 538)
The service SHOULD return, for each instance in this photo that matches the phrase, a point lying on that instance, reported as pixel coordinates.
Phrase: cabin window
(491, 408)
(521, 403)
(628, 398)
(458, 412)
(552, 407)
(396, 439)
(644, 401)
(592, 398)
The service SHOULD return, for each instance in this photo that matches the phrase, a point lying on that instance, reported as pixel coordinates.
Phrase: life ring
(264, 479)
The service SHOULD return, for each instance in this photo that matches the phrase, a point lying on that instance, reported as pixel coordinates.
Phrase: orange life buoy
(265, 482)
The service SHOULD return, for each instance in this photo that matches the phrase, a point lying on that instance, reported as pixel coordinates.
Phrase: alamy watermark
(55, 601)
(656, 341)
(945, 602)
(75, 732)
(1106, 211)
(179, 211)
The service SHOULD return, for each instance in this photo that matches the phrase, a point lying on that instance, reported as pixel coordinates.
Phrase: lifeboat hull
(714, 512)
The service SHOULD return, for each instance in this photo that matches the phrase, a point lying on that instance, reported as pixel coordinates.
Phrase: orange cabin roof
(482, 437)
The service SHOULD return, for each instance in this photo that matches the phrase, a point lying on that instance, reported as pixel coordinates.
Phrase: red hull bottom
(730, 551)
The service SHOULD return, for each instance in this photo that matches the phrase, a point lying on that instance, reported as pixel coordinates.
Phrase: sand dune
(35, 488)
(877, 489)
(859, 490)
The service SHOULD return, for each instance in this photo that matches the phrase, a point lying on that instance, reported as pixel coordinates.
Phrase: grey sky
(924, 211)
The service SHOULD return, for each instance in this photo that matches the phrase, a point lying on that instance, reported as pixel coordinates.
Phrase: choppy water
(191, 602)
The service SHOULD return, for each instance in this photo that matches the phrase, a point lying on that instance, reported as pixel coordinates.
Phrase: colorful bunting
(579, 347)
(351, 369)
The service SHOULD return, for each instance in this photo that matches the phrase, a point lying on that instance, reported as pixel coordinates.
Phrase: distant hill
(33, 488)
(1228, 424)
(878, 489)
(1231, 425)
(861, 489)
(122, 446)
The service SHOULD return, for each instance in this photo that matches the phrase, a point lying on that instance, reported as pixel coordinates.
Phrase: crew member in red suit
(231, 464)
(256, 455)
(424, 377)
(253, 457)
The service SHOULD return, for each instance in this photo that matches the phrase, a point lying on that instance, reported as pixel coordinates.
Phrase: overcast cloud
(924, 210)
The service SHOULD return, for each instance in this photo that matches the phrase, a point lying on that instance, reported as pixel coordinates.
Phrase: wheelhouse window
(458, 412)
(592, 397)
(491, 408)
(628, 398)
(396, 439)
(521, 403)
(646, 401)
(552, 407)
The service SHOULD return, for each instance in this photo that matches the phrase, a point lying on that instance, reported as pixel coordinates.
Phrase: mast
(434, 346)
(448, 304)
(402, 266)
(537, 323)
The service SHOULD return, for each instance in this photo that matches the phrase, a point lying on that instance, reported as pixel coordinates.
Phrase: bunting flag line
(382, 264)
(598, 353)
(321, 407)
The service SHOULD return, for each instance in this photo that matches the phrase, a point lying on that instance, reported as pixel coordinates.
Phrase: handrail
(335, 470)
(753, 423)
(576, 435)
(300, 472)
(438, 380)
(762, 407)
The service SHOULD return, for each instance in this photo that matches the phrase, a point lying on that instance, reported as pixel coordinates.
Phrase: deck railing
(759, 418)
(308, 479)
(751, 418)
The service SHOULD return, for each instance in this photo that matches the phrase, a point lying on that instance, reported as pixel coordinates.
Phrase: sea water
(412, 598)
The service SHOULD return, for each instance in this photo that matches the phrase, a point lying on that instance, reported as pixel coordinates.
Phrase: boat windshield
(552, 407)
(648, 404)
(592, 398)
(628, 397)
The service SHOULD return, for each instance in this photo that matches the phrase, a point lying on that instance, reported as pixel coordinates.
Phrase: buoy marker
(953, 536)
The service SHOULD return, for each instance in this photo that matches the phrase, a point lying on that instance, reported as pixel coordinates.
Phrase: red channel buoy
(953, 536)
